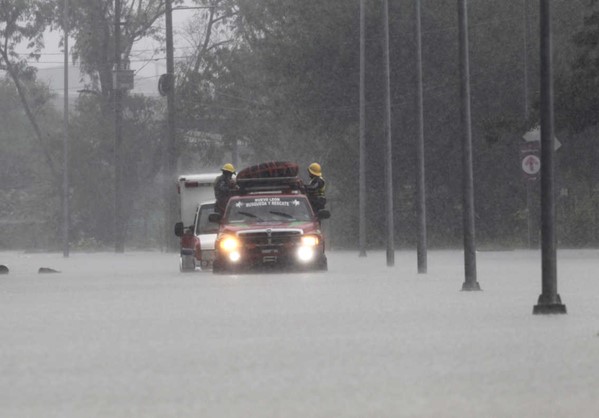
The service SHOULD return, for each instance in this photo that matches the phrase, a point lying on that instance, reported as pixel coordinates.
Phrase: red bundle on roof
(269, 169)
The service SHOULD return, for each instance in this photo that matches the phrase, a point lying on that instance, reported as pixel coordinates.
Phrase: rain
(442, 266)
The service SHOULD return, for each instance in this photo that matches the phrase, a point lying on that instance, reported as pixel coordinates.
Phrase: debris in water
(47, 270)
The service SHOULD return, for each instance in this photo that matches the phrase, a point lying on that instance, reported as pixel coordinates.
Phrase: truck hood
(306, 227)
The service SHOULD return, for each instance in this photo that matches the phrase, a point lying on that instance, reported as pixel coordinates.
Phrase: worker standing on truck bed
(316, 188)
(224, 186)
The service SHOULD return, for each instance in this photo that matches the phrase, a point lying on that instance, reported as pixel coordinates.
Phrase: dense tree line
(279, 79)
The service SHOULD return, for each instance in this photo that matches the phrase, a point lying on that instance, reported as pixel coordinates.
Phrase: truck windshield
(203, 226)
(269, 209)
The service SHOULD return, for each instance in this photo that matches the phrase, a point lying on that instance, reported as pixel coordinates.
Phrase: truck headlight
(305, 253)
(309, 241)
(229, 244)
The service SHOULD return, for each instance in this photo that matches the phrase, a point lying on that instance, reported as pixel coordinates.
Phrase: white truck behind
(197, 235)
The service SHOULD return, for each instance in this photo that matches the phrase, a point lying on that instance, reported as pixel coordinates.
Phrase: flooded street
(127, 335)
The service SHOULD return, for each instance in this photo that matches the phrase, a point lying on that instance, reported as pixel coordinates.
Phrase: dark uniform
(315, 192)
(224, 186)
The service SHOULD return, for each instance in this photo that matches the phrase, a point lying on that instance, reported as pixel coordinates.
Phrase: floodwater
(127, 335)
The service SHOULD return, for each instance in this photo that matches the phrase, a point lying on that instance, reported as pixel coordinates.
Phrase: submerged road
(127, 335)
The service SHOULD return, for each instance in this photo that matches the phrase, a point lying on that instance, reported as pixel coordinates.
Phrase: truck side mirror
(323, 214)
(179, 228)
(214, 217)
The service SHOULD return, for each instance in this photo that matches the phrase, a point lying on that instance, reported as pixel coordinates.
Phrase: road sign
(534, 135)
(531, 164)
(530, 160)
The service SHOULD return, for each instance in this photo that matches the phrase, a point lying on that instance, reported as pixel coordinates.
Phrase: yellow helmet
(228, 167)
(315, 169)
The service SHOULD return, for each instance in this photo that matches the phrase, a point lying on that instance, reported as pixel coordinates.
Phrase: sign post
(530, 159)
(531, 166)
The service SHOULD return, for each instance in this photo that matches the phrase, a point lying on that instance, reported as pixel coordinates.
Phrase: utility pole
(171, 154)
(65, 121)
(549, 300)
(389, 148)
(119, 236)
(421, 187)
(362, 180)
(468, 177)
(166, 87)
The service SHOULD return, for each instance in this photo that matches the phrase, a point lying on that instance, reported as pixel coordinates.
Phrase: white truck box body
(193, 190)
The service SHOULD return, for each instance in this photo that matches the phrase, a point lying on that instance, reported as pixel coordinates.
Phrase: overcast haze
(120, 332)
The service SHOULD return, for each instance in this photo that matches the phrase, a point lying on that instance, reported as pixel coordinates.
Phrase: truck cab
(270, 223)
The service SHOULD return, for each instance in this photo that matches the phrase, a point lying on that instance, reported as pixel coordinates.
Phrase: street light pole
(65, 119)
(470, 282)
(421, 188)
(119, 236)
(362, 180)
(389, 155)
(549, 300)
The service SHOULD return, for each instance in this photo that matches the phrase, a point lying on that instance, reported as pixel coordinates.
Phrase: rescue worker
(224, 186)
(316, 187)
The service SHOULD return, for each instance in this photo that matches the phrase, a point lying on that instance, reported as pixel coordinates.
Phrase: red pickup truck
(270, 223)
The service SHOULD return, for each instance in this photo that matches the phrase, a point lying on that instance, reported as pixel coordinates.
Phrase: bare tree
(24, 21)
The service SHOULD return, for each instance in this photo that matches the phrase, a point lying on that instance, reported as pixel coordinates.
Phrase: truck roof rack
(263, 185)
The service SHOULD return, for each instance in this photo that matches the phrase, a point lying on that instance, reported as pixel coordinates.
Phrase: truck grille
(270, 237)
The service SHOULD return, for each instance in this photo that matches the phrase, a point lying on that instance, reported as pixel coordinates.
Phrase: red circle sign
(531, 164)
